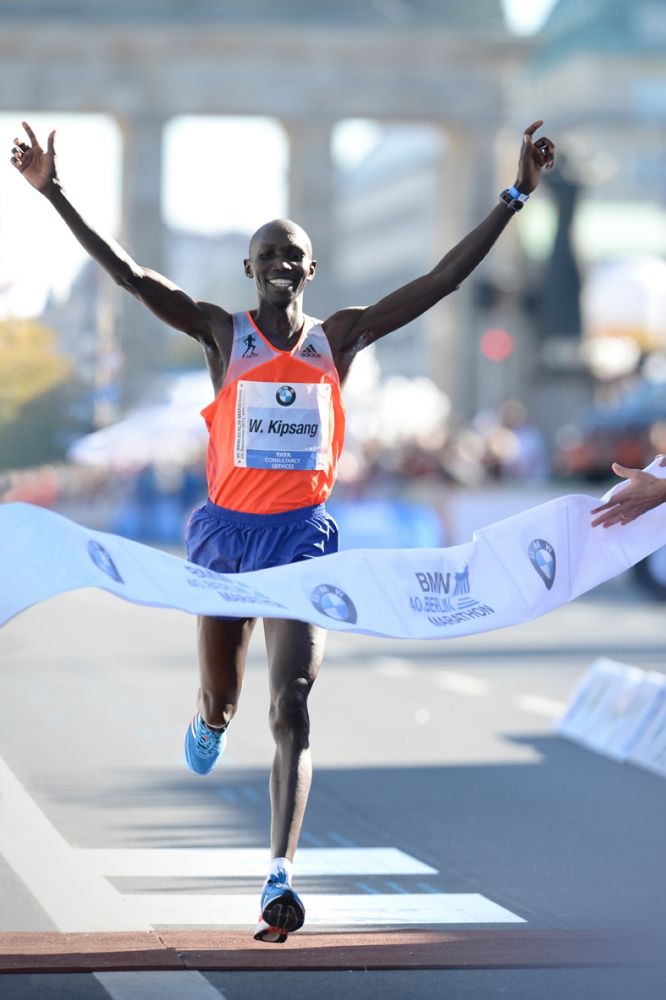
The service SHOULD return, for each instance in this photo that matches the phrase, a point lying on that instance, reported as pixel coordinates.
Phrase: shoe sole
(279, 918)
(269, 935)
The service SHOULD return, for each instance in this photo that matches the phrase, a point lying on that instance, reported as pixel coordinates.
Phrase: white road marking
(393, 666)
(476, 687)
(70, 886)
(326, 909)
(451, 680)
(165, 985)
(73, 898)
(245, 862)
(539, 705)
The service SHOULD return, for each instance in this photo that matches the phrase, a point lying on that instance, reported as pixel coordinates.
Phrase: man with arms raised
(276, 431)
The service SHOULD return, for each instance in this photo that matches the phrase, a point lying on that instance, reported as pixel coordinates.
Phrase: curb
(237, 951)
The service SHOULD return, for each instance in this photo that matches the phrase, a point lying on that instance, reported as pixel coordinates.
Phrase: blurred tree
(37, 397)
(30, 365)
(45, 427)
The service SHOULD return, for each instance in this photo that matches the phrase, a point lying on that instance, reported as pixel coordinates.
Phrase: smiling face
(280, 261)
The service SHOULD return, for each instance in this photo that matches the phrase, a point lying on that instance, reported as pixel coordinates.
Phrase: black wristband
(512, 203)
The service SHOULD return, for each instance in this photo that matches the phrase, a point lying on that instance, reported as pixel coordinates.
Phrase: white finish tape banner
(511, 572)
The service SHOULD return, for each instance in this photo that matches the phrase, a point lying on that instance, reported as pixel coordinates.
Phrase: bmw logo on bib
(285, 395)
(334, 603)
(542, 557)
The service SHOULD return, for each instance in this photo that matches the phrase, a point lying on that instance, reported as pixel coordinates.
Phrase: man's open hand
(37, 166)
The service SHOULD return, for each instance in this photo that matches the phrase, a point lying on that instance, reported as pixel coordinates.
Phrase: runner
(276, 431)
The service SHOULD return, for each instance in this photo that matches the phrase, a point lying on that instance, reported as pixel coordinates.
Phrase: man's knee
(289, 717)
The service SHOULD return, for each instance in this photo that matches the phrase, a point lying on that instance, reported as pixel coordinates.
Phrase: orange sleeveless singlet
(276, 427)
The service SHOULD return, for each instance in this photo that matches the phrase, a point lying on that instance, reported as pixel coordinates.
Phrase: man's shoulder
(219, 326)
(214, 311)
(344, 328)
(340, 323)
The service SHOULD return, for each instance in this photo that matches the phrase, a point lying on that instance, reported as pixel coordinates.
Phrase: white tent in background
(169, 432)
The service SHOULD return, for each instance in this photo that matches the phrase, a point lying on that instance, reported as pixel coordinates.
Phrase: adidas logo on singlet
(310, 352)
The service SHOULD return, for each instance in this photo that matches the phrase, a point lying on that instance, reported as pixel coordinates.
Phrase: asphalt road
(441, 800)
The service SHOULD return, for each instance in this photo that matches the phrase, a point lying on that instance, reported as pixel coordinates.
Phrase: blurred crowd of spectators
(152, 501)
(496, 445)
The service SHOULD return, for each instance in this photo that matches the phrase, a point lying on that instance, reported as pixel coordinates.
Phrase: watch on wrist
(513, 199)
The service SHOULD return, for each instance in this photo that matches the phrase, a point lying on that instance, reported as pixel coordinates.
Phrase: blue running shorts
(231, 541)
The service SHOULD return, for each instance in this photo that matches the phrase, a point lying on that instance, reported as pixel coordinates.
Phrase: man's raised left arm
(352, 329)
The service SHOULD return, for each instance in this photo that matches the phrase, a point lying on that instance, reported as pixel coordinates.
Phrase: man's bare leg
(295, 651)
(222, 653)
(222, 644)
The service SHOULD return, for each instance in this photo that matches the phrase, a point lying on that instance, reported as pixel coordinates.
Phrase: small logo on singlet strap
(310, 351)
(250, 343)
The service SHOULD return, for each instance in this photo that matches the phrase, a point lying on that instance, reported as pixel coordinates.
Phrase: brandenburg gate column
(140, 335)
(311, 203)
(466, 194)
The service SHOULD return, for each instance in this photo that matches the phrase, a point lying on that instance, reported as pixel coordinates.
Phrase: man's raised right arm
(168, 302)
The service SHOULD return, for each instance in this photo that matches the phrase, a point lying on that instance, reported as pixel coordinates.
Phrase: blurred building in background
(385, 227)
(308, 65)
(514, 375)
(598, 72)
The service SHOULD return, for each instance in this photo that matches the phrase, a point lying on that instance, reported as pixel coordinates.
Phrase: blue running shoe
(282, 912)
(203, 746)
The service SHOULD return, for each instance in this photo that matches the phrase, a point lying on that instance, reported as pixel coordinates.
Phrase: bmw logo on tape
(542, 557)
(334, 603)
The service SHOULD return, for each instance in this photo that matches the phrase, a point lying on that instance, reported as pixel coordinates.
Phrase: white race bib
(282, 425)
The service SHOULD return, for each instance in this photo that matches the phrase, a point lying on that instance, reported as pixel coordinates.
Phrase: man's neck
(280, 326)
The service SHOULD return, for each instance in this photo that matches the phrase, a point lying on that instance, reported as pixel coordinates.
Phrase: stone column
(141, 336)
(311, 203)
